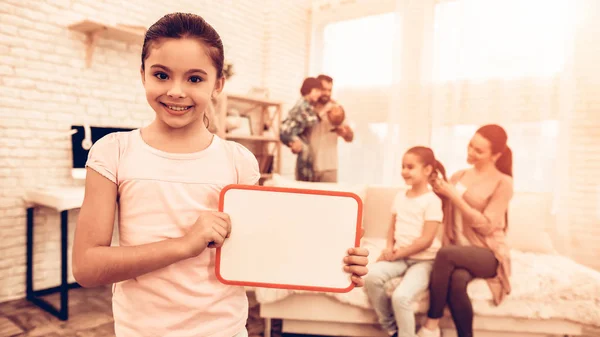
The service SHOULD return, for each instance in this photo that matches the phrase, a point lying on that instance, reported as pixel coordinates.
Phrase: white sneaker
(424, 332)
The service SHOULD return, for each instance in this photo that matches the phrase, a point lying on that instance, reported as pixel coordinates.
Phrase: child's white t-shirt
(160, 196)
(411, 214)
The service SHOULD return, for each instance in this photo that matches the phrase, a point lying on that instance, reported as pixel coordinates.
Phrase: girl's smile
(176, 109)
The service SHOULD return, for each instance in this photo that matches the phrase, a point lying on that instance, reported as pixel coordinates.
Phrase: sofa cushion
(529, 218)
(378, 213)
(279, 181)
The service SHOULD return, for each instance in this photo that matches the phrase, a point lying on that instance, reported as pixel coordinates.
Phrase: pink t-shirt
(160, 195)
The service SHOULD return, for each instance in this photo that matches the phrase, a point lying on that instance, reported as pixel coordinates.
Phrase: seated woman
(474, 233)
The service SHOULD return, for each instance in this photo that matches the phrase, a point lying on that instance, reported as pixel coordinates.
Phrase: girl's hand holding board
(356, 263)
(210, 230)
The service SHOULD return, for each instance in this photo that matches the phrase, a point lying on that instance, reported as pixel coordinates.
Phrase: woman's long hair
(498, 138)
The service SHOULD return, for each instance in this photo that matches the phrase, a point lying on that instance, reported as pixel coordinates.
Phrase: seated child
(412, 244)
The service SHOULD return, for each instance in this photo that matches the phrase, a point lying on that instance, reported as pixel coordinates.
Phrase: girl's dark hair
(309, 84)
(183, 25)
(428, 159)
(497, 137)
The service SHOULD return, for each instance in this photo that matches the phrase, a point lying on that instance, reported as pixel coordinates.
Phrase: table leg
(34, 296)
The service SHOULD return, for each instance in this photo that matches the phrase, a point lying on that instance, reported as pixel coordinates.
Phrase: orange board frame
(300, 191)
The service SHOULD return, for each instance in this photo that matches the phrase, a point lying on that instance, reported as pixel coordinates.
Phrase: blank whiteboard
(288, 238)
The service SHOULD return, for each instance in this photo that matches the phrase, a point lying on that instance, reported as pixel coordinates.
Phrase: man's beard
(324, 99)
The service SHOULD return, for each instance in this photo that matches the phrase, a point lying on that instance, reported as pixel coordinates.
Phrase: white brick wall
(45, 88)
(286, 44)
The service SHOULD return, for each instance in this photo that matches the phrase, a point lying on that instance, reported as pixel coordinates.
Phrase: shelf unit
(95, 29)
(265, 117)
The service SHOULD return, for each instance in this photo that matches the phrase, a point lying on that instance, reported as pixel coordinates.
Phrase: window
(360, 55)
(483, 39)
(371, 158)
(534, 146)
(359, 52)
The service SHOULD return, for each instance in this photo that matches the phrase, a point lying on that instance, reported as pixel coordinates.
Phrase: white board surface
(288, 238)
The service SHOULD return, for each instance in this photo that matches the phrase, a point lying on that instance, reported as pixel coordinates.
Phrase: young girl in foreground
(411, 244)
(166, 179)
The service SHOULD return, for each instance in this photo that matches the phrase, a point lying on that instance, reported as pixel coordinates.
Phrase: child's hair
(336, 115)
(309, 84)
(182, 25)
(428, 159)
(497, 137)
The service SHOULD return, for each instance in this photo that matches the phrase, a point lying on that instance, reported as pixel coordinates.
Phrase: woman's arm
(95, 262)
(420, 244)
(492, 216)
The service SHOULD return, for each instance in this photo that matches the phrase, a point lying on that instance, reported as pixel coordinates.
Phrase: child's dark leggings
(454, 267)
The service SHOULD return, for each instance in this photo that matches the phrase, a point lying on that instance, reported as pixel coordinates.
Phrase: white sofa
(552, 295)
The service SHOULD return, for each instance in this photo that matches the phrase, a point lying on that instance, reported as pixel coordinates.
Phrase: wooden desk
(61, 199)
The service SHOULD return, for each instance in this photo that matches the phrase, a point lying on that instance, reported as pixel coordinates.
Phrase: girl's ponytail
(440, 170)
(428, 159)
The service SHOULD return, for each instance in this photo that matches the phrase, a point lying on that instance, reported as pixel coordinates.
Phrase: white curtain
(375, 51)
(431, 72)
(356, 44)
(507, 62)
(528, 66)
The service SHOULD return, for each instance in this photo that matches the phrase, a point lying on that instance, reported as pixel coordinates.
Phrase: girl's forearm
(391, 231)
(105, 265)
(417, 246)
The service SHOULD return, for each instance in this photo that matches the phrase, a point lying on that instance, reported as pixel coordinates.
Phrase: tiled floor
(90, 316)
